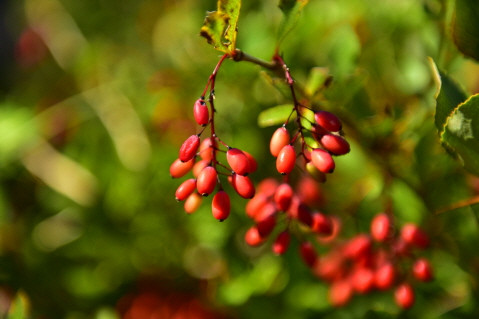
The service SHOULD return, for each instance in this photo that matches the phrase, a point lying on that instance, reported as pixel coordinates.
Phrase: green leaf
(20, 307)
(465, 28)
(291, 10)
(275, 115)
(220, 27)
(318, 79)
(461, 133)
(449, 95)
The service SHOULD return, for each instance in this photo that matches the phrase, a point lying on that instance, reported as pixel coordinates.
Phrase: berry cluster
(376, 261)
(206, 171)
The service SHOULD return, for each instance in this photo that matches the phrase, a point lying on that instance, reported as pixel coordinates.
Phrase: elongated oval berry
(268, 186)
(340, 293)
(281, 244)
(206, 149)
(322, 160)
(238, 161)
(206, 181)
(413, 235)
(283, 196)
(422, 270)
(253, 164)
(255, 204)
(328, 120)
(286, 160)
(185, 189)
(358, 247)
(198, 167)
(380, 226)
(384, 276)
(266, 225)
(253, 238)
(308, 253)
(201, 113)
(404, 296)
(193, 202)
(180, 169)
(243, 186)
(221, 206)
(279, 140)
(362, 280)
(189, 148)
(322, 224)
(335, 144)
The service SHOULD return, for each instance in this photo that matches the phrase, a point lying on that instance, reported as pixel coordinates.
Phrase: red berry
(243, 186)
(380, 227)
(281, 244)
(328, 120)
(201, 113)
(206, 149)
(286, 159)
(321, 224)
(193, 202)
(255, 204)
(331, 267)
(318, 131)
(185, 189)
(253, 164)
(264, 212)
(206, 181)
(358, 247)
(385, 276)
(404, 296)
(336, 226)
(252, 237)
(335, 144)
(308, 253)
(266, 225)
(309, 191)
(180, 169)
(300, 211)
(362, 280)
(198, 167)
(189, 148)
(412, 235)
(340, 293)
(422, 270)
(268, 186)
(279, 140)
(221, 206)
(238, 161)
(322, 160)
(283, 196)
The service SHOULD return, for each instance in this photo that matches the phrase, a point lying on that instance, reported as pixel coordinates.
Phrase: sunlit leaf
(220, 27)
(449, 95)
(291, 10)
(461, 133)
(275, 115)
(465, 31)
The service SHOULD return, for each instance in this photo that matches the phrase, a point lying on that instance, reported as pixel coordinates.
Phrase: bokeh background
(96, 98)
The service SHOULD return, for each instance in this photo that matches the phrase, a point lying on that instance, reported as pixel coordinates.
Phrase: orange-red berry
(189, 148)
(380, 227)
(322, 160)
(336, 144)
(243, 186)
(201, 113)
(206, 181)
(286, 160)
(281, 244)
(221, 206)
(192, 203)
(180, 169)
(283, 196)
(404, 296)
(185, 189)
(328, 120)
(238, 161)
(279, 140)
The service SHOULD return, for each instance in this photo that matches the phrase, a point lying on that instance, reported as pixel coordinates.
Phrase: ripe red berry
(385, 276)
(252, 237)
(283, 196)
(308, 253)
(189, 148)
(238, 161)
(198, 167)
(309, 191)
(300, 211)
(206, 181)
(380, 226)
(279, 140)
(422, 270)
(358, 247)
(264, 212)
(201, 113)
(206, 149)
(286, 159)
(180, 169)
(255, 204)
(185, 189)
(412, 235)
(281, 244)
(321, 224)
(335, 144)
(404, 296)
(268, 186)
(193, 202)
(318, 131)
(266, 225)
(340, 293)
(328, 120)
(362, 280)
(221, 206)
(243, 186)
(322, 160)
(253, 164)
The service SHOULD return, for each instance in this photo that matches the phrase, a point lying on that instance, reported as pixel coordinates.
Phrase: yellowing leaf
(291, 10)
(220, 27)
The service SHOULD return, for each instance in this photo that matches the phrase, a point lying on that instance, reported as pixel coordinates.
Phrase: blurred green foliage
(96, 98)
